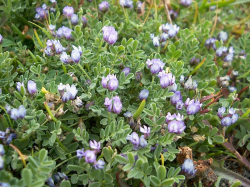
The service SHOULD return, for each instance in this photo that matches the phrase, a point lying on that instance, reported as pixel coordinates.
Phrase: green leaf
(95, 184)
(65, 183)
(168, 182)
(107, 154)
(27, 176)
(133, 173)
(108, 177)
(121, 159)
(135, 45)
(218, 139)
(140, 109)
(161, 120)
(203, 149)
(79, 169)
(149, 122)
(131, 158)
(74, 178)
(161, 172)
(155, 180)
(42, 155)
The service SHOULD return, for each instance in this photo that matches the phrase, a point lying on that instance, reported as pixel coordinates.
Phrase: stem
(20, 154)
(152, 81)
(61, 145)
(7, 116)
(61, 163)
(84, 72)
(49, 112)
(167, 11)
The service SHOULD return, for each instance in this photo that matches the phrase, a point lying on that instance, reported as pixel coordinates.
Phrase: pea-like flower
(110, 35)
(104, 6)
(75, 56)
(166, 79)
(19, 113)
(193, 106)
(31, 86)
(90, 156)
(126, 70)
(95, 145)
(226, 121)
(74, 19)
(126, 3)
(143, 142)
(68, 11)
(210, 43)
(113, 105)
(176, 127)
(221, 111)
(186, 3)
(80, 153)
(84, 21)
(145, 130)
(134, 139)
(155, 65)
(2, 151)
(18, 86)
(176, 97)
(143, 94)
(223, 36)
(110, 82)
(99, 164)
(188, 168)
(65, 58)
(1, 39)
(67, 92)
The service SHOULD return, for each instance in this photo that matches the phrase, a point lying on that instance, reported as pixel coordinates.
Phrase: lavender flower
(188, 168)
(74, 19)
(50, 182)
(2, 135)
(22, 111)
(156, 42)
(65, 58)
(176, 127)
(143, 94)
(126, 70)
(193, 107)
(19, 113)
(58, 46)
(126, 3)
(31, 86)
(232, 89)
(95, 145)
(145, 130)
(2, 151)
(18, 86)
(75, 56)
(231, 110)
(226, 121)
(210, 43)
(139, 7)
(1, 39)
(108, 104)
(172, 88)
(186, 3)
(166, 79)
(80, 153)
(229, 57)
(143, 142)
(10, 138)
(171, 30)
(117, 105)
(134, 139)
(1, 163)
(84, 21)
(90, 156)
(194, 61)
(68, 11)
(99, 164)
(179, 105)
(234, 118)
(104, 6)
(110, 82)
(70, 93)
(223, 36)
(176, 97)
(155, 65)
(138, 75)
(221, 111)
(109, 35)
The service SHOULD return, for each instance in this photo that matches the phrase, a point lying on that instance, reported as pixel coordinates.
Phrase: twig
(167, 11)
(20, 154)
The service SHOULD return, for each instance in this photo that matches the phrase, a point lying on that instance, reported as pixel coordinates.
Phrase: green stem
(61, 144)
(49, 112)
(84, 72)
(11, 124)
(61, 163)
(153, 79)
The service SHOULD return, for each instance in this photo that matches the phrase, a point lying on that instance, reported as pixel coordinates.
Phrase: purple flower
(226, 121)
(1, 163)
(232, 89)
(80, 153)
(166, 79)
(193, 107)
(104, 6)
(1, 39)
(2, 135)
(223, 36)
(68, 11)
(108, 104)
(10, 138)
(179, 105)
(90, 156)
(172, 88)
(21, 111)
(74, 19)
(234, 118)
(70, 93)
(156, 42)
(157, 65)
(145, 130)
(2, 151)
(117, 105)
(186, 3)
(50, 182)
(99, 164)
(65, 58)
(229, 57)
(155, 68)
(170, 117)
(231, 110)
(143, 94)
(138, 75)
(31, 86)
(188, 167)
(194, 61)
(173, 31)
(176, 97)
(164, 37)
(75, 56)
(64, 32)
(110, 82)
(18, 86)
(210, 43)
(126, 70)
(84, 21)
(58, 46)
(126, 3)
(176, 127)
(109, 34)
(173, 13)
(221, 111)
(95, 145)
(134, 139)
(143, 142)
(139, 7)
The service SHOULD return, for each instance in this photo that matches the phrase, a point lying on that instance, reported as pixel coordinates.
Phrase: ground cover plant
(124, 93)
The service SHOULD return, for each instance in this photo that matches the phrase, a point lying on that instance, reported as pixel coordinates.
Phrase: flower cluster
(223, 36)
(126, 71)
(1, 39)
(16, 113)
(110, 82)
(67, 92)
(143, 94)
(186, 3)
(166, 79)
(210, 43)
(175, 123)
(126, 3)
(113, 105)
(68, 11)
(176, 100)
(64, 32)
(136, 141)
(104, 6)
(53, 47)
(145, 130)
(43, 11)
(110, 35)
(7, 136)
(31, 86)
(171, 30)
(192, 106)
(229, 119)
(155, 65)
(90, 155)
(75, 55)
